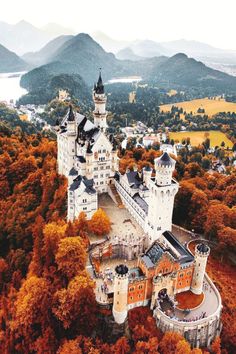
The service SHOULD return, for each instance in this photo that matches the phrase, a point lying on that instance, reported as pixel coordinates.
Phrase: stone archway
(162, 293)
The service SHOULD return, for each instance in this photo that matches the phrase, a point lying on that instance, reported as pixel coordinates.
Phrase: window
(140, 287)
(104, 150)
(101, 182)
(117, 303)
(101, 175)
(84, 200)
(95, 168)
(84, 208)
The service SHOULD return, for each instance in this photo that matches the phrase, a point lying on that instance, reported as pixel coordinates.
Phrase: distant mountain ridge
(81, 55)
(23, 37)
(44, 55)
(10, 62)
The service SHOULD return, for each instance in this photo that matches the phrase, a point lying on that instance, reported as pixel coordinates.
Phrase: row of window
(182, 274)
(187, 282)
(101, 168)
(101, 175)
(139, 296)
(139, 287)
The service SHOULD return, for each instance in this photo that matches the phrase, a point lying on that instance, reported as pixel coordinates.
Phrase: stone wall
(199, 333)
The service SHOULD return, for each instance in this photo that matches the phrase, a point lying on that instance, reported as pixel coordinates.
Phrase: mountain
(22, 37)
(10, 62)
(181, 71)
(44, 55)
(55, 30)
(148, 49)
(109, 44)
(191, 48)
(85, 56)
(127, 54)
(81, 55)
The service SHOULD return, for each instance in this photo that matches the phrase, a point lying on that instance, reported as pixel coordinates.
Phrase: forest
(47, 302)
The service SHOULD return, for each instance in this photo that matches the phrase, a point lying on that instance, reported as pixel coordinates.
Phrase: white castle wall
(199, 270)
(199, 333)
(120, 301)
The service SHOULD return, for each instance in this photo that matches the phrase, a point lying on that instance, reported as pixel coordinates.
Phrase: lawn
(211, 106)
(216, 137)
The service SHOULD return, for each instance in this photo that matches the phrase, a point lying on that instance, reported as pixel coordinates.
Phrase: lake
(125, 80)
(10, 86)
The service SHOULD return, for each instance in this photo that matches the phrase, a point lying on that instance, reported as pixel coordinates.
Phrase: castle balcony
(199, 325)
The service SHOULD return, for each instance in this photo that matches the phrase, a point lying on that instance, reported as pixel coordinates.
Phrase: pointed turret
(99, 98)
(99, 87)
(71, 116)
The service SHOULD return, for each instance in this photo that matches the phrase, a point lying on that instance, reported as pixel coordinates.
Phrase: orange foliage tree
(76, 304)
(71, 256)
(100, 223)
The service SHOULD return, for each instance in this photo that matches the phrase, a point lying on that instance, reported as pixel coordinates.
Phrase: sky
(208, 21)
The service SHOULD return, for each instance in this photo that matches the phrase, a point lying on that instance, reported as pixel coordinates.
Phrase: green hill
(48, 86)
(181, 71)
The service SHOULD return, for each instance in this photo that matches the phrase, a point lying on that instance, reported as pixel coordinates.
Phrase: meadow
(211, 106)
(196, 138)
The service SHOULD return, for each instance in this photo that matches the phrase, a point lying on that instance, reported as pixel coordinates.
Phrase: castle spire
(99, 87)
(99, 98)
(71, 116)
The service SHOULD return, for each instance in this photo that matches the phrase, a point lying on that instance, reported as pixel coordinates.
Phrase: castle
(87, 156)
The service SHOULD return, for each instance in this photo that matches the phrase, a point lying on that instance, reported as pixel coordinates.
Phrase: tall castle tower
(99, 98)
(202, 252)
(161, 200)
(66, 145)
(120, 301)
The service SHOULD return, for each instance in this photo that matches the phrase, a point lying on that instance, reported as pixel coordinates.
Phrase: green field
(196, 138)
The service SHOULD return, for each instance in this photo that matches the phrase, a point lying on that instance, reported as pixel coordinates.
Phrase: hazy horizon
(202, 21)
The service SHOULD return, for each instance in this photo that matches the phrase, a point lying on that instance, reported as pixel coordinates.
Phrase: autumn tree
(168, 344)
(121, 346)
(216, 346)
(71, 256)
(75, 306)
(100, 223)
(70, 347)
(32, 309)
(183, 347)
(53, 233)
